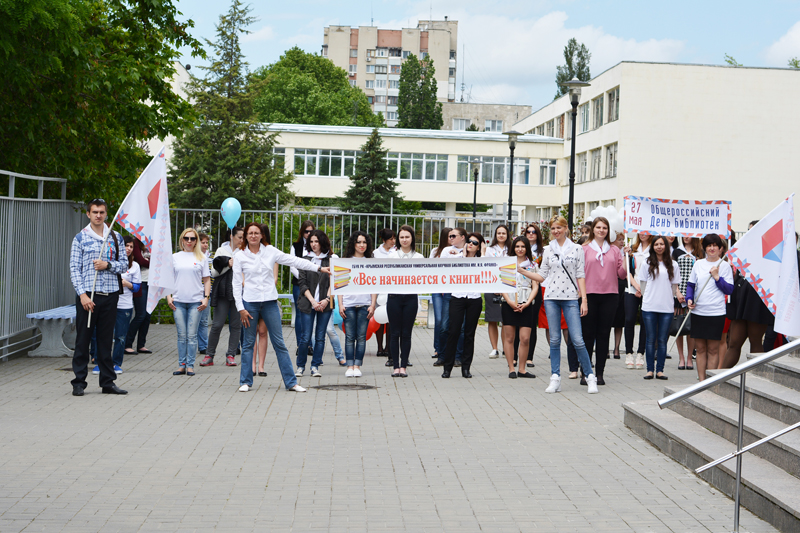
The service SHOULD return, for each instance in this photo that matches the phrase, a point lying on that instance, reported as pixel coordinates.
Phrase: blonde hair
(558, 220)
(196, 250)
(638, 241)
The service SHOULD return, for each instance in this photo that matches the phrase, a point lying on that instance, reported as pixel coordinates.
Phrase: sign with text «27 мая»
(423, 276)
(767, 258)
(685, 218)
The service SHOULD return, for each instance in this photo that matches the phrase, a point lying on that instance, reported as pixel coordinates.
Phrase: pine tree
(228, 154)
(417, 106)
(371, 185)
(576, 65)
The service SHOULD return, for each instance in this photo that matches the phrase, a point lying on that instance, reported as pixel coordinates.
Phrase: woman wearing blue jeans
(564, 269)
(441, 304)
(190, 297)
(131, 281)
(257, 298)
(659, 283)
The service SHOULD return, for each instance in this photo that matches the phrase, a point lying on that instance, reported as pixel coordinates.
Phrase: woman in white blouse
(492, 313)
(402, 308)
(517, 313)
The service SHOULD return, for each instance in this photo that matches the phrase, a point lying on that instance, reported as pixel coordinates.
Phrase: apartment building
(680, 131)
(373, 58)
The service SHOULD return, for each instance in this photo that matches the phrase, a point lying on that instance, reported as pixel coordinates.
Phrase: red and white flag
(767, 257)
(145, 214)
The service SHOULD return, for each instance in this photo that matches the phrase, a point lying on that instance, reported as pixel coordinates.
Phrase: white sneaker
(349, 373)
(639, 361)
(244, 388)
(315, 373)
(494, 354)
(300, 371)
(555, 384)
(356, 372)
(591, 382)
(629, 361)
(297, 388)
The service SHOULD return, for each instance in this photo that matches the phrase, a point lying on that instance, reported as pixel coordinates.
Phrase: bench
(52, 323)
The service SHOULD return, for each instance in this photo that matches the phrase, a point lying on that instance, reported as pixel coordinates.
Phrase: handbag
(677, 320)
(498, 299)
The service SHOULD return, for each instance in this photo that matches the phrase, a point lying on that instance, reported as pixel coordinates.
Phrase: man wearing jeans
(96, 259)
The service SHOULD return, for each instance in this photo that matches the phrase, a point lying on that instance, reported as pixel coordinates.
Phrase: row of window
(387, 52)
(461, 124)
(380, 69)
(407, 166)
(589, 164)
(494, 170)
(591, 116)
(381, 84)
(382, 99)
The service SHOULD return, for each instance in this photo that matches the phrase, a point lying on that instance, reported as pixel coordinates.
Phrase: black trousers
(104, 318)
(596, 326)
(632, 306)
(402, 311)
(466, 311)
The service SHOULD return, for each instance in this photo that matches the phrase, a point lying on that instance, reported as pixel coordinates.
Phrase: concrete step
(720, 416)
(767, 490)
(784, 371)
(764, 396)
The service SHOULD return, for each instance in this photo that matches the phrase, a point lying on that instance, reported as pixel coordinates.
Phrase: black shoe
(438, 362)
(113, 389)
(238, 351)
(389, 362)
(530, 365)
(465, 372)
(583, 380)
(262, 374)
(525, 375)
(409, 364)
(600, 380)
(668, 356)
(77, 390)
(446, 374)
(512, 375)
(310, 351)
(457, 363)
(202, 352)
(435, 356)
(382, 353)
(515, 362)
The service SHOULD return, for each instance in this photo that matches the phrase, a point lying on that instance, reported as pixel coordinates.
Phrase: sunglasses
(189, 239)
(474, 243)
(452, 236)
(530, 231)
(308, 231)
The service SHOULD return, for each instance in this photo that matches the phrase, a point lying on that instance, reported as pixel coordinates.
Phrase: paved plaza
(416, 454)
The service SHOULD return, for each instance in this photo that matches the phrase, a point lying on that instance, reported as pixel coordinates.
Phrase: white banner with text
(686, 218)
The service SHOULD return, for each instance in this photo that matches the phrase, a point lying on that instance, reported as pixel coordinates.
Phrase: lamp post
(512, 144)
(574, 85)
(474, 165)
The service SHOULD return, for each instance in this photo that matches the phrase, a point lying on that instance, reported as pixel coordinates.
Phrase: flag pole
(690, 311)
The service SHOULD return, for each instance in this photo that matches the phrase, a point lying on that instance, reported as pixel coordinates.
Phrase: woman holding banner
(689, 251)
(356, 309)
(457, 239)
(492, 313)
(517, 312)
(708, 306)
(402, 308)
(441, 304)
(387, 238)
(633, 303)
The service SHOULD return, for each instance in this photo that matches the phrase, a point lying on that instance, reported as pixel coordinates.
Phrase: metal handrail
(740, 370)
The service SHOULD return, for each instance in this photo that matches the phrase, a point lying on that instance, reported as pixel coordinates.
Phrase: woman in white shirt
(356, 310)
(633, 303)
(660, 283)
(457, 239)
(517, 313)
(387, 249)
(492, 313)
(257, 298)
(441, 304)
(708, 307)
(402, 308)
(190, 297)
(131, 281)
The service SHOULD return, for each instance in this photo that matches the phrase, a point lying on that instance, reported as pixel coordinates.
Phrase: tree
(731, 61)
(85, 83)
(576, 65)
(303, 88)
(228, 153)
(417, 106)
(472, 127)
(794, 62)
(371, 185)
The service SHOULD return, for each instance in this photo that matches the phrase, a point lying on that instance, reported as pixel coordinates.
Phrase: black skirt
(491, 310)
(517, 320)
(707, 327)
(745, 304)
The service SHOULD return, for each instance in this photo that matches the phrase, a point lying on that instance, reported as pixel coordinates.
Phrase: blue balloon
(231, 210)
(337, 318)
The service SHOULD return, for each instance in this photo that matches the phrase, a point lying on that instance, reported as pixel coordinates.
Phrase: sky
(508, 51)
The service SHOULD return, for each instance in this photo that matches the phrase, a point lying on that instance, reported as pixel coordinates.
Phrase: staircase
(703, 428)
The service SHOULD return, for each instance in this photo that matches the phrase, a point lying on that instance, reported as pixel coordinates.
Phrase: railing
(740, 370)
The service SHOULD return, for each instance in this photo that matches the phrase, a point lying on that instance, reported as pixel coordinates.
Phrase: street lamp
(475, 166)
(512, 144)
(574, 85)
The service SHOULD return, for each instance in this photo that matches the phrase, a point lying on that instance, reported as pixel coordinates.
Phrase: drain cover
(344, 387)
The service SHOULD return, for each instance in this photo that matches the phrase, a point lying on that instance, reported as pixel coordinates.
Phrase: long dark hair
(443, 241)
(324, 242)
(652, 259)
(527, 244)
(508, 236)
(302, 233)
(350, 250)
(385, 234)
(539, 246)
(267, 236)
(480, 240)
(128, 239)
(410, 230)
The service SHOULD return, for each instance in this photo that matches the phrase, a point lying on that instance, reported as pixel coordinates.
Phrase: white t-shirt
(712, 301)
(381, 253)
(639, 259)
(352, 300)
(134, 275)
(496, 251)
(658, 293)
(189, 274)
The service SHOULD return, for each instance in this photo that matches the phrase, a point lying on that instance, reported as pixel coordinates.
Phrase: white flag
(145, 214)
(767, 257)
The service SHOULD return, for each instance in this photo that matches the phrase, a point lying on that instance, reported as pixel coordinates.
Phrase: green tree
(303, 88)
(731, 61)
(371, 185)
(794, 62)
(417, 106)
(85, 84)
(576, 65)
(472, 127)
(228, 153)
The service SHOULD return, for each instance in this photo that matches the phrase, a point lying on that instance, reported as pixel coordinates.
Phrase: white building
(694, 132)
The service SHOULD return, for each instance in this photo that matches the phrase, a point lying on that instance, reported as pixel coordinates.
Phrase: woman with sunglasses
(441, 304)
(457, 239)
(192, 289)
(465, 309)
(518, 316)
(492, 311)
(402, 308)
(299, 250)
(257, 297)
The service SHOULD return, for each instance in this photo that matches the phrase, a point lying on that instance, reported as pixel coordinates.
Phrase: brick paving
(417, 454)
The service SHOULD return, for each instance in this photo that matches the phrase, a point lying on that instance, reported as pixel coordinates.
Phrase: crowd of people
(579, 291)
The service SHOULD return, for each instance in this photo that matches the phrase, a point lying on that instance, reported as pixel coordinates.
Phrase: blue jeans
(319, 337)
(141, 321)
(441, 316)
(120, 334)
(270, 313)
(202, 330)
(298, 326)
(333, 337)
(187, 317)
(355, 334)
(572, 315)
(657, 326)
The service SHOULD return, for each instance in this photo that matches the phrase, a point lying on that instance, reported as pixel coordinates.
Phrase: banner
(145, 214)
(685, 218)
(767, 257)
(423, 276)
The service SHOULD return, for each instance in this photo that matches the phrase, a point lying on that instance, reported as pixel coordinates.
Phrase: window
(405, 54)
(423, 54)
(540, 130)
(593, 206)
(461, 124)
(381, 52)
(371, 53)
(324, 50)
(494, 170)
(380, 99)
(325, 163)
(278, 158)
(394, 52)
(395, 69)
(352, 83)
(581, 164)
(369, 84)
(611, 160)
(394, 84)
(354, 52)
(371, 99)
(597, 107)
(608, 203)
(404, 166)
(380, 69)
(595, 155)
(544, 213)
(352, 69)
(547, 172)
(493, 125)
(391, 100)
(452, 54)
(452, 72)
(568, 125)
(583, 114)
(370, 69)
(550, 128)
(613, 105)
(380, 84)
(559, 129)
(391, 115)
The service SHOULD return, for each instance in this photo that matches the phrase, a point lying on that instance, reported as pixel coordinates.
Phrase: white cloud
(785, 48)
(263, 34)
